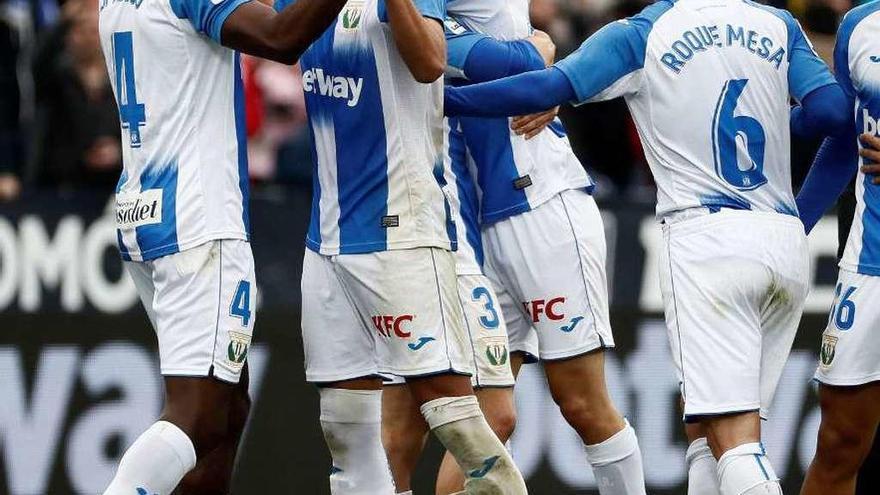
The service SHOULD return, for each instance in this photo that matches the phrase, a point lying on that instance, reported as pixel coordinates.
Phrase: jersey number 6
(729, 133)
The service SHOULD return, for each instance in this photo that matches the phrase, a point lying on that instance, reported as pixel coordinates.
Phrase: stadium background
(78, 371)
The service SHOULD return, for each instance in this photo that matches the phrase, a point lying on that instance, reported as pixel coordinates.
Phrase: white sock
(459, 424)
(617, 463)
(702, 469)
(155, 463)
(352, 424)
(745, 470)
(408, 492)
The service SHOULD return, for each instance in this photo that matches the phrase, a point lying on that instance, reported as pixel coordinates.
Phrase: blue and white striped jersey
(464, 202)
(857, 64)
(513, 174)
(708, 85)
(377, 138)
(181, 107)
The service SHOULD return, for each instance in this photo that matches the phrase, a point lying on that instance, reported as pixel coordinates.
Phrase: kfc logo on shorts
(552, 309)
(388, 325)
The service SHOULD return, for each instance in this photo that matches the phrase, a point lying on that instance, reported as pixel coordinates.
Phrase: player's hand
(532, 125)
(871, 153)
(544, 45)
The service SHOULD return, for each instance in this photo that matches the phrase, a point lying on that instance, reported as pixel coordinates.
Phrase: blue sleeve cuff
(459, 46)
(214, 23)
(810, 76)
(435, 9)
(568, 67)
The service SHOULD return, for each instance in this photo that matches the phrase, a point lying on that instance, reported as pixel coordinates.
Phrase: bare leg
(213, 473)
(578, 387)
(850, 416)
(404, 432)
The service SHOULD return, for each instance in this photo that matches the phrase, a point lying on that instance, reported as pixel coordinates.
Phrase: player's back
(712, 106)
(179, 92)
(857, 63)
(378, 139)
(514, 174)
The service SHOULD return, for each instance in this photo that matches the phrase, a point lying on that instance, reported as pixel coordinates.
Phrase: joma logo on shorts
(387, 325)
(550, 308)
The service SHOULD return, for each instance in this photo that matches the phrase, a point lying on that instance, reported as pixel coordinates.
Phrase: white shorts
(201, 303)
(487, 332)
(734, 285)
(850, 351)
(389, 312)
(548, 268)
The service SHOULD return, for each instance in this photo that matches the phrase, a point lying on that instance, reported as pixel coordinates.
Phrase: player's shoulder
(855, 17)
(783, 15)
(649, 15)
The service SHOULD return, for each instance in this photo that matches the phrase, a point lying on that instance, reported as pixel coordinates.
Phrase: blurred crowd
(59, 125)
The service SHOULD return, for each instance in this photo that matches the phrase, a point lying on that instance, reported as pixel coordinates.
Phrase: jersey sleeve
(206, 16)
(609, 63)
(806, 71)
(841, 57)
(459, 43)
(281, 4)
(434, 9)
(476, 57)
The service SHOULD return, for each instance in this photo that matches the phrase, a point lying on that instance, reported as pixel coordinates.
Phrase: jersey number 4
(737, 141)
(132, 114)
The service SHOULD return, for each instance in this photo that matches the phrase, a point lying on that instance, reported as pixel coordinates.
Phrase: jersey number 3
(737, 141)
(132, 114)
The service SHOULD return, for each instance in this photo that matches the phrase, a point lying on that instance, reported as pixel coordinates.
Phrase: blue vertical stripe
(123, 250)
(469, 203)
(361, 152)
(241, 138)
(160, 239)
(319, 117)
(492, 152)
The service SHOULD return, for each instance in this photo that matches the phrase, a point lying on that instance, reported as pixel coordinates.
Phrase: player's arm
(418, 35)
(823, 112)
(607, 65)
(479, 58)
(837, 159)
(822, 107)
(283, 36)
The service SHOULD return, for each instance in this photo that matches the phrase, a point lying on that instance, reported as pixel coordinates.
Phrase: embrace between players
(446, 252)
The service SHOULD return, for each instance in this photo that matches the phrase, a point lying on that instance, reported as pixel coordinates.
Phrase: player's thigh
(409, 299)
(788, 257)
(336, 343)
(521, 334)
(141, 274)
(484, 321)
(712, 296)
(582, 376)
(552, 261)
(204, 307)
(850, 350)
